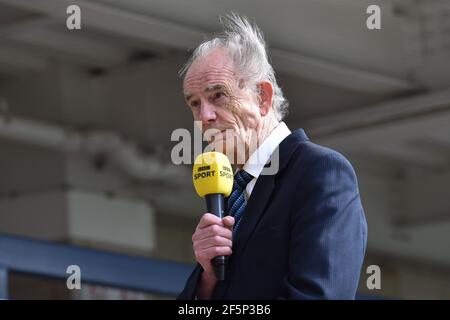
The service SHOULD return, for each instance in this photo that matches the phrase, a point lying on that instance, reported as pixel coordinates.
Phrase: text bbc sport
(211, 174)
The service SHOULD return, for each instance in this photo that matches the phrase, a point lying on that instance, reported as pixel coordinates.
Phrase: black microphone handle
(215, 205)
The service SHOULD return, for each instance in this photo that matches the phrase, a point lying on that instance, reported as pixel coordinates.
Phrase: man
(299, 233)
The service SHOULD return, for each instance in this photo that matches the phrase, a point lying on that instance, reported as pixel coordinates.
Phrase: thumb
(228, 221)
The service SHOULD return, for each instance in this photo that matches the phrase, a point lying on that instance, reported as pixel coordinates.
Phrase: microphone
(213, 179)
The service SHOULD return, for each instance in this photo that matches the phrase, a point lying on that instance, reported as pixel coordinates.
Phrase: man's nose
(207, 113)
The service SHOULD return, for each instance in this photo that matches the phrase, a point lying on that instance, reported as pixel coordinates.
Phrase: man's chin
(233, 155)
(219, 146)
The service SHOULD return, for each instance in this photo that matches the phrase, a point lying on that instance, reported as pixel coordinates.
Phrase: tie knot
(242, 178)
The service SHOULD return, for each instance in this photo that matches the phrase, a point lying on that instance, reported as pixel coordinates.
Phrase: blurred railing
(49, 259)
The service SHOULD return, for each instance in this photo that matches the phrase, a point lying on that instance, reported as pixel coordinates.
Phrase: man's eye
(218, 95)
(194, 104)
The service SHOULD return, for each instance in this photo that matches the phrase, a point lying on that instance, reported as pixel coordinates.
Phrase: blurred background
(86, 118)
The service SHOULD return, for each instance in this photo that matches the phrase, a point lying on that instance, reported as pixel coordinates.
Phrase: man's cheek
(234, 106)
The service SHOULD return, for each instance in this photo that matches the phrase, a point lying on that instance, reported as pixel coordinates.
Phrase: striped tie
(236, 201)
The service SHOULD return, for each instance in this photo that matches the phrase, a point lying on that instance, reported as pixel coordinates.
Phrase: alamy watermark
(73, 21)
(373, 22)
(226, 141)
(74, 280)
(374, 280)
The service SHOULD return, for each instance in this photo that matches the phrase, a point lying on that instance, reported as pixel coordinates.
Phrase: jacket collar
(264, 186)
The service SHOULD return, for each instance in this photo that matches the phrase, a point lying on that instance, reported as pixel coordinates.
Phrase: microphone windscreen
(212, 174)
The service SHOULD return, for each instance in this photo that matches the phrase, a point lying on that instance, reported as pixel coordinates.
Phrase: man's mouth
(220, 132)
(219, 135)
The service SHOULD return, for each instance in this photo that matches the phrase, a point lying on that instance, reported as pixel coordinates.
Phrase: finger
(207, 220)
(214, 241)
(212, 230)
(216, 251)
(228, 221)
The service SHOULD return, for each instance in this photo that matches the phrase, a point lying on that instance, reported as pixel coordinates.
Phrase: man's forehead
(215, 65)
(209, 80)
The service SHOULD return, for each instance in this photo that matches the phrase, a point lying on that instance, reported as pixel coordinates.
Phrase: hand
(212, 237)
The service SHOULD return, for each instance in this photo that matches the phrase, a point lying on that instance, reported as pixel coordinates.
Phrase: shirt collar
(255, 164)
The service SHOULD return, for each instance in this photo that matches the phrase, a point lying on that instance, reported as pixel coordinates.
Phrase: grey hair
(247, 48)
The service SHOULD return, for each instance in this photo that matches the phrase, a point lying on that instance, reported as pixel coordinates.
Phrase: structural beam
(150, 29)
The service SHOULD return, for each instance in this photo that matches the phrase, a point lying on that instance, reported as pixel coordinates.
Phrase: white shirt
(255, 164)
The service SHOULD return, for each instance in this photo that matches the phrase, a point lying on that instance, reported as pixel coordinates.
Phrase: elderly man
(298, 233)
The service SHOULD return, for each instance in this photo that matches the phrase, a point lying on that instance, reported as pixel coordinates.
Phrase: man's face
(219, 100)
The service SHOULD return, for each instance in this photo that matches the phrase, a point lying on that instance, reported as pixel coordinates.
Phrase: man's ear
(265, 97)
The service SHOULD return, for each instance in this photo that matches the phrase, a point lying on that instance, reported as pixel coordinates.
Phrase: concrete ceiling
(345, 82)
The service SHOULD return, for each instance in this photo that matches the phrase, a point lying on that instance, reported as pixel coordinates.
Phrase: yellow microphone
(213, 179)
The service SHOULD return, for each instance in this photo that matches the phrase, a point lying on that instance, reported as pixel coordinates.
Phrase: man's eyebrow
(214, 87)
(210, 88)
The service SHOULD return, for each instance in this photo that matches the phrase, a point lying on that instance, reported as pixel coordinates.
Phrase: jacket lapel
(260, 198)
(263, 189)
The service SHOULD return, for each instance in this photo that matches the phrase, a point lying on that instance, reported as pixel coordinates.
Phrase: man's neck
(267, 129)
(268, 124)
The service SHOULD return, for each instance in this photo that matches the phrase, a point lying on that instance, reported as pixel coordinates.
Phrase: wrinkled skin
(219, 99)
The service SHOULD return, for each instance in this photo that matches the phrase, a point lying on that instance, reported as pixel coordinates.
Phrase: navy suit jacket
(303, 235)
